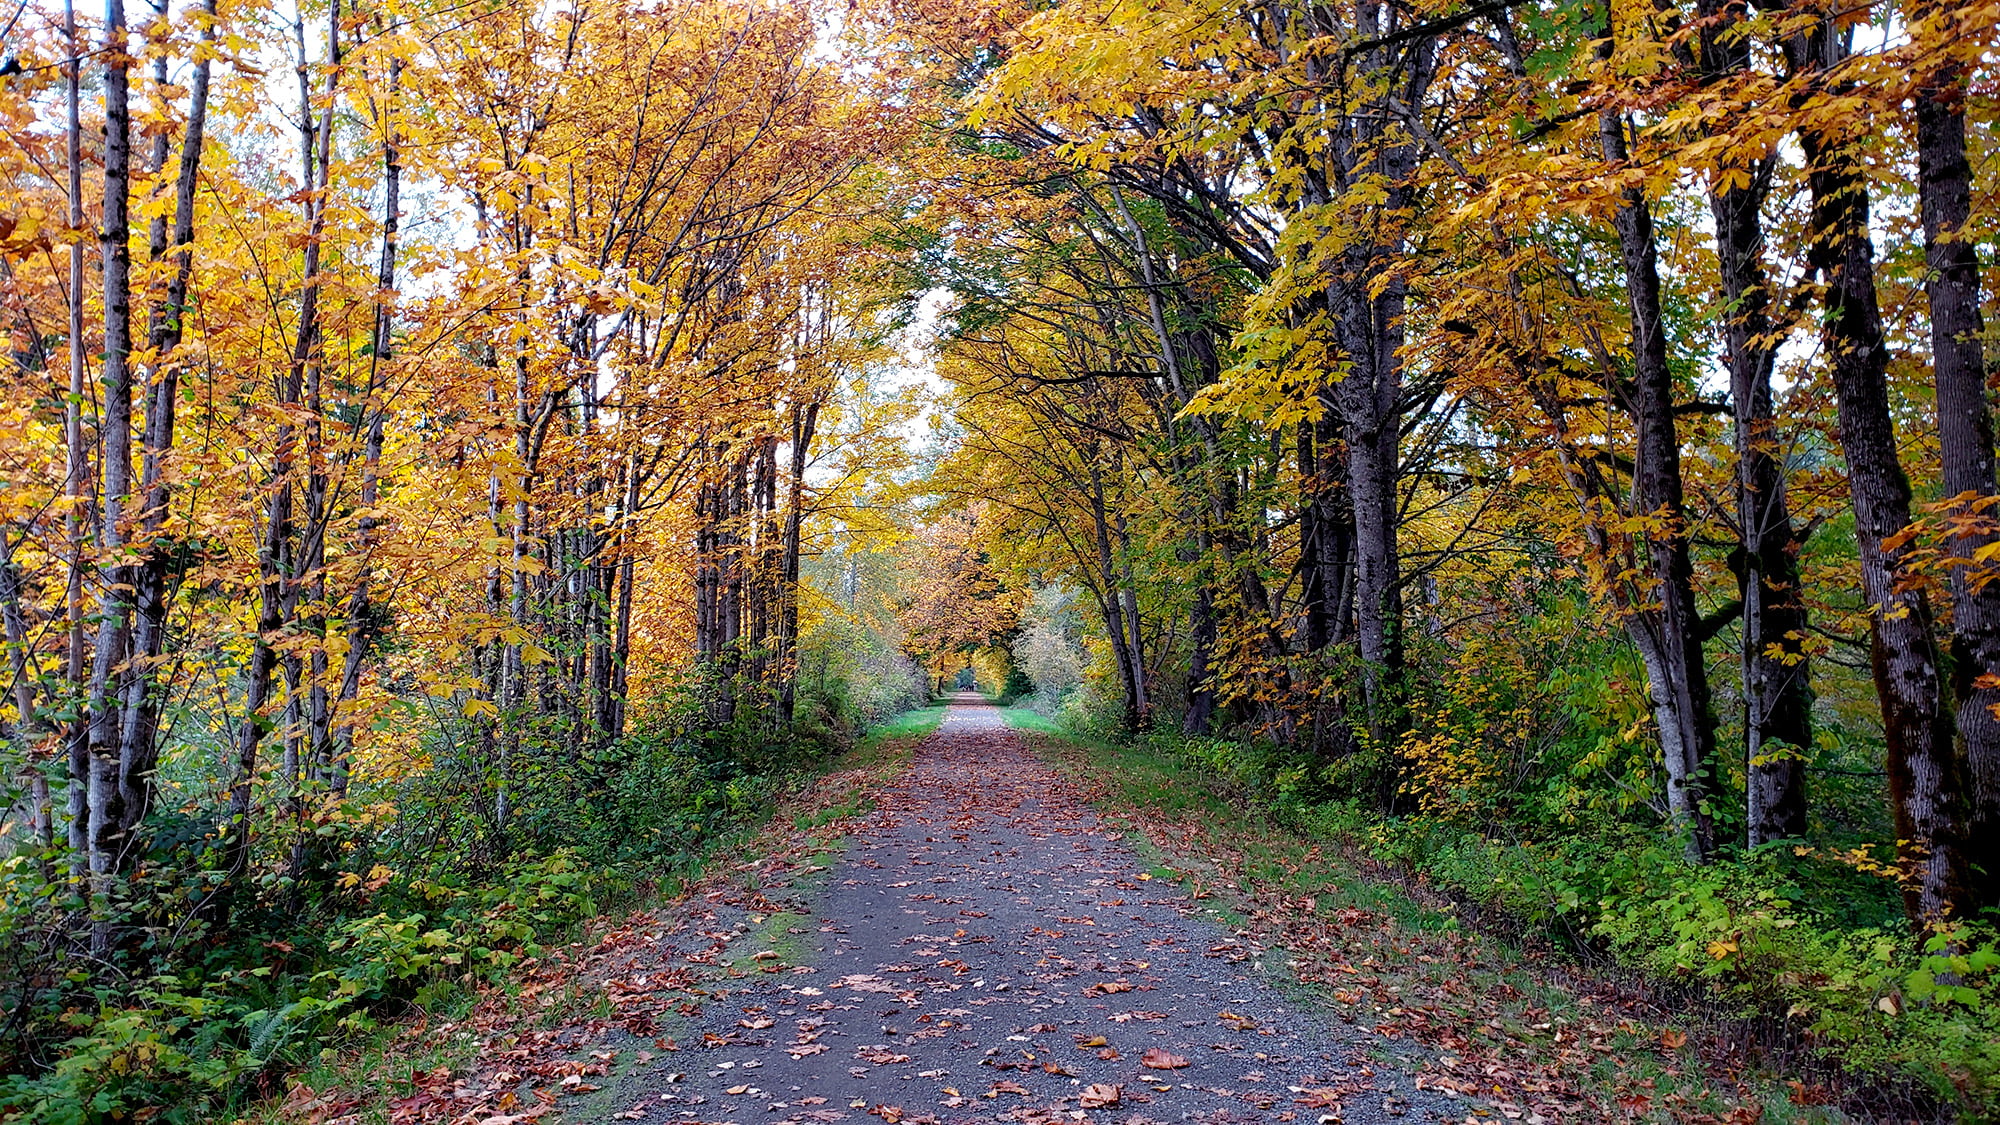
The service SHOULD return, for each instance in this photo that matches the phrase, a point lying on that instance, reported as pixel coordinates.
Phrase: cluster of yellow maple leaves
(1397, 382)
(459, 344)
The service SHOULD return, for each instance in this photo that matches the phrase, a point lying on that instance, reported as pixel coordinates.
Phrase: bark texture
(1917, 718)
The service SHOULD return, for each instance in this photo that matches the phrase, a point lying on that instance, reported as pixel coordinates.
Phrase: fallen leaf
(1161, 1060)
(1099, 1095)
(1673, 1040)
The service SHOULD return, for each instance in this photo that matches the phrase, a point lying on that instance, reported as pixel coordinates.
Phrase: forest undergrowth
(1512, 1002)
(346, 988)
(421, 1065)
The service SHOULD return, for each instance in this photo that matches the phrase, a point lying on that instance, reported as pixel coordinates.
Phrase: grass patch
(910, 725)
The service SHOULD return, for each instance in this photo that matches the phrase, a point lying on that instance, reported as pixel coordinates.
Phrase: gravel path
(987, 951)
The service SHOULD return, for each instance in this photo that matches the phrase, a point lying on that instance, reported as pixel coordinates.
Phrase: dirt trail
(987, 951)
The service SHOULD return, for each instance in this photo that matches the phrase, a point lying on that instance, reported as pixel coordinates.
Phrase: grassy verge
(1516, 1036)
(360, 1080)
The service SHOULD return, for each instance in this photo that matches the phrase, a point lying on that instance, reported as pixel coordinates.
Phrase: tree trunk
(1916, 718)
(140, 719)
(1680, 691)
(360, 605)
(1135, 643)
(1369, 406)
(76, 461)
(1965, 441)
(1777, 681)
(1199, 721)
(28, 722)
(109, 843)
(804, 424)
(1131, 677)
(1367, 300)
(280, 554)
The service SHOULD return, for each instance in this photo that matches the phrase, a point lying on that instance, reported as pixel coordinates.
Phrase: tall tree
(1965, 427)
(109, 784)
(1917, 719)
(1670, 641)
(1777, 679)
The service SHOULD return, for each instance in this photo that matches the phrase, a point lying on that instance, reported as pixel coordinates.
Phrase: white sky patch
(915, 363)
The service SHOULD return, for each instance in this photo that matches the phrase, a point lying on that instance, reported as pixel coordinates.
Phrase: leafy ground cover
(1500, 1016)
(417, 1070)
(416, 996)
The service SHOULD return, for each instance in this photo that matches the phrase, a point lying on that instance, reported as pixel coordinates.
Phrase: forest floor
(998, 924)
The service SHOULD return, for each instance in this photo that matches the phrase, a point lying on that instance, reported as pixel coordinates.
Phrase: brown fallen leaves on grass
(1488, 1041)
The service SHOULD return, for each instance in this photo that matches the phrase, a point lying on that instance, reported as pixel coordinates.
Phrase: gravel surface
(987, 951)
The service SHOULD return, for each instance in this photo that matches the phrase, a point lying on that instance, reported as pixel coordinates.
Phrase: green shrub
(1815, 935)
(406, 893)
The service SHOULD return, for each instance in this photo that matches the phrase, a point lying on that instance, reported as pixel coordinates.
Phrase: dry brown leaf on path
(1158, 1059)
(1100, 1095)
(864, 982)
